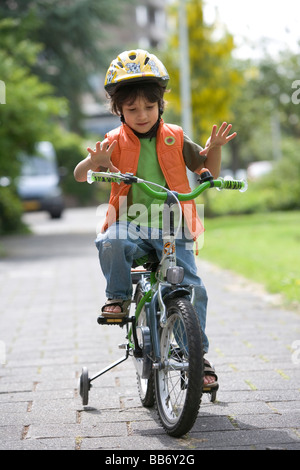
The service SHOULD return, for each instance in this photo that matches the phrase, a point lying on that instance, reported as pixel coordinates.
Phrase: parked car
(39, 183)
(259, 169)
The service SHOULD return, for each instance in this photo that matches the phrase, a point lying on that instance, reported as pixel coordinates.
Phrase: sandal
(123, 304)
(209, 370)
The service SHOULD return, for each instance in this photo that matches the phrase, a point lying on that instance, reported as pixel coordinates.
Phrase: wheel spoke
(173, 340)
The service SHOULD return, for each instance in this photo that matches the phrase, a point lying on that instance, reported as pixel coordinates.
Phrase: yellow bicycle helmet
(134, 66)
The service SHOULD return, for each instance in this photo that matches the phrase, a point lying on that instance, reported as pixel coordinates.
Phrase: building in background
(143, 25)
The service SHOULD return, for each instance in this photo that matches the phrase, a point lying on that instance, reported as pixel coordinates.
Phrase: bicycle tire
(84, 386)
(178, 384)
(145, 386)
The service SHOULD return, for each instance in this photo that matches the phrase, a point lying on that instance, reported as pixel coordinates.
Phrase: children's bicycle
(163, 337)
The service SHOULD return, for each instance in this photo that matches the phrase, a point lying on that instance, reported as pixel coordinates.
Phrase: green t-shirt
(141, 208)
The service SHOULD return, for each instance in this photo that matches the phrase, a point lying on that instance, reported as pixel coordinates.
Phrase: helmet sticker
(133, 68)
(111, 74)
(154, 67)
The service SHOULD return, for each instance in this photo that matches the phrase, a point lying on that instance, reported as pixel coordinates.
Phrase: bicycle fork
(156, 313)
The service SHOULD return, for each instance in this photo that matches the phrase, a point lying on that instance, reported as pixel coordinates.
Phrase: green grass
(262, 247)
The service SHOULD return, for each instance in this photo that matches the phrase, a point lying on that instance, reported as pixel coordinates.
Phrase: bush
(277, 191)
(70, 149)
(10, 212)
(285, 179)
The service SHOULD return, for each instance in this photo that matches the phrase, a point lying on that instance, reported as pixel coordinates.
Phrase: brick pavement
(51, 287)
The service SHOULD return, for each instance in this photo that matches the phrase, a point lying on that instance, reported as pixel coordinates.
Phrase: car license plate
(31, 205)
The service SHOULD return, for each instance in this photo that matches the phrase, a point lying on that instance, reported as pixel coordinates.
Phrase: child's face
(141, 115)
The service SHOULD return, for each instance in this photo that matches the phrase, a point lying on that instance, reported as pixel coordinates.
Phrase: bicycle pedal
(111, 321)
(114, 321)
(122, 346)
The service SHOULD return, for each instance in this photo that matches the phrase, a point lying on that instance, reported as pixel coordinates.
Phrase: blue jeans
(122, 243)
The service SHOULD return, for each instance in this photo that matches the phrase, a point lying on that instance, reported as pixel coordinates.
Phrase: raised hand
(101, 154)
(218, 138)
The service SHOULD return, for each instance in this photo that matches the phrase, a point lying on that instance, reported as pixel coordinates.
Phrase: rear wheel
(178, 384)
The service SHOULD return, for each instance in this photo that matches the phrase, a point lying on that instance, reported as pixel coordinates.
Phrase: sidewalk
(51, 287)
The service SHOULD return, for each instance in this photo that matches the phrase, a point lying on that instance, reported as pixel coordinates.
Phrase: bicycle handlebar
(129, 178)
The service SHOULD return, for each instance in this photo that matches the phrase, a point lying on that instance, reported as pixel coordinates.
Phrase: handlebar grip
(240, 185)
(232, 184)
(107, 177)
(104, 177)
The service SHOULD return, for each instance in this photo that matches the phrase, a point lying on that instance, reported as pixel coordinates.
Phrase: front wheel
(179, 381)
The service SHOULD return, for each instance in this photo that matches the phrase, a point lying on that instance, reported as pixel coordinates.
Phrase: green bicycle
(163, 337)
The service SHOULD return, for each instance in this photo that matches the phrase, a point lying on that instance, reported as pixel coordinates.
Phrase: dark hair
(152, 91)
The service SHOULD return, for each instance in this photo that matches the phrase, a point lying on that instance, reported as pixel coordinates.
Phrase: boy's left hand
(217, 139)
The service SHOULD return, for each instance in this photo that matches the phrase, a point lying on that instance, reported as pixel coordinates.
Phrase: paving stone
(51, 289)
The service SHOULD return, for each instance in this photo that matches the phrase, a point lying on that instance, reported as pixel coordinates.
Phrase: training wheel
(84, 386)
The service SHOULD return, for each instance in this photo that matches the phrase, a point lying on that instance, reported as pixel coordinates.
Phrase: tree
(28, 115)
(31, 109)
(266, 111)
(214, 81)
(72, 37)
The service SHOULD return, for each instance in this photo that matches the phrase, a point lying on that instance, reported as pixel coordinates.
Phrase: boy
(144, 145)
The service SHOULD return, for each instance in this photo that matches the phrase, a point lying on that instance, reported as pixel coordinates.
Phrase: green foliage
(256, 96)
(264, 112)
(279, 190)
(70, 149)
(10, 211)
(284, 181)
(27, 116)
(214, 79)
(73, 39)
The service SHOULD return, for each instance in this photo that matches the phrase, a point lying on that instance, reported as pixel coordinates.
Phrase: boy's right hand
(100, 156)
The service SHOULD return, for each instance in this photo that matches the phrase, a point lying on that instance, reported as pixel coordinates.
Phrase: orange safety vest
(169, 145)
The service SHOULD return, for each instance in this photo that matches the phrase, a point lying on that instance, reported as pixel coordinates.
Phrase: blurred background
(228, 61)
